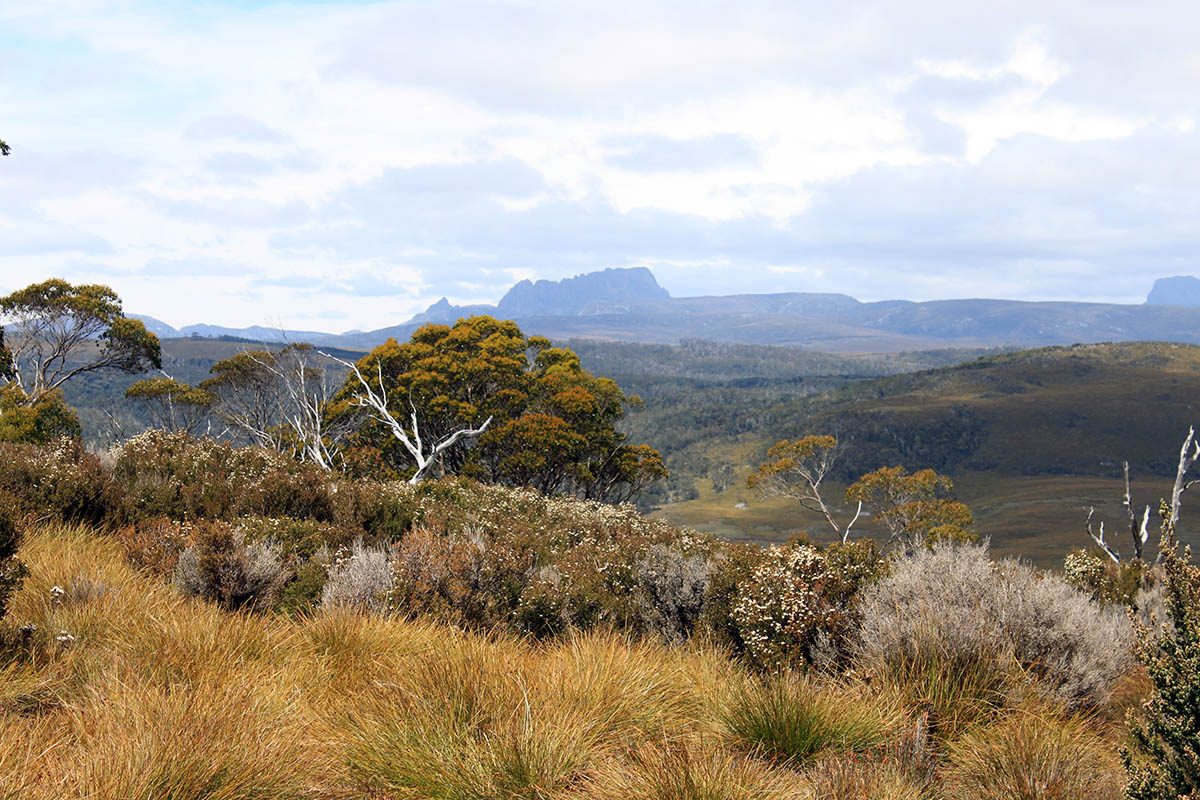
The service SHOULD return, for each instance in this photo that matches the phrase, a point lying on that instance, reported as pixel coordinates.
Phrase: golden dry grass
(172, 699)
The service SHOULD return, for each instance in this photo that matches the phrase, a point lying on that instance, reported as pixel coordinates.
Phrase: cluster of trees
(916, 509)
(478, 398)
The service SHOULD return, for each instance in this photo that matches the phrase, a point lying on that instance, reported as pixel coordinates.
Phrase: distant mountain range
(629, 305)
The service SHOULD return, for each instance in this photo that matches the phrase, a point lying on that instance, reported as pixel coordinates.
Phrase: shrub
(297, 537)
(61, 480)
(12, 569)
(731, 567)
(383, 510)
(954, 608)
(222, 567)
(800, 602)
(360, 578)
(788, 719)
(1164, 762)
(671, 586)
(1032, 755)
(155, 544)
(1104, 579)
(177, 476)
(302, 593)
(442, 575)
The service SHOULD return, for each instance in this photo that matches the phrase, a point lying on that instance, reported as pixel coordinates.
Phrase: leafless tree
(1139, 524)
(375, 403)
(280, 399)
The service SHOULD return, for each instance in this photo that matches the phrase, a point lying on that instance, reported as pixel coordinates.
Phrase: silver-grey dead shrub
(957, 601)
(671, 589)
(240, 575)
(361, 579)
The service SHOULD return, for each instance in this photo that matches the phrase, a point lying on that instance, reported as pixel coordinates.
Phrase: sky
(341, 165)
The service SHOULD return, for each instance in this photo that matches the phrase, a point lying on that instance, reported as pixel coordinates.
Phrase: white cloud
(362, 160)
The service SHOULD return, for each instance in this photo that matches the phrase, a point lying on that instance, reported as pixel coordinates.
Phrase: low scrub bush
(222, 567)
(60, 481)
(1163, 760)
(1104, 579)
(671, 587)
(297, 537)
(955, 609)
(799, 602)
(174, 475)
(359, 578)
(12, 569)
(155, 544)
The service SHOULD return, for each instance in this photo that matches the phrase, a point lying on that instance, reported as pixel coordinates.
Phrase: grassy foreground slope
(143, 694)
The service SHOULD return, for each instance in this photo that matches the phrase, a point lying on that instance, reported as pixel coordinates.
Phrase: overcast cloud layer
(342, 165)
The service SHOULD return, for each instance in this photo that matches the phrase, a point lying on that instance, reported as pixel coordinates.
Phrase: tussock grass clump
(233, 739)
(852, 777)
(664, 771)
(1035, 755)
(789, 719)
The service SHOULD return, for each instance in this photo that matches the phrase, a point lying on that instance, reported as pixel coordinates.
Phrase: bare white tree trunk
(1187, 457)
(376, 403)
(1138, 532)
(303, 391)
(1139, 528)
(1099, 539)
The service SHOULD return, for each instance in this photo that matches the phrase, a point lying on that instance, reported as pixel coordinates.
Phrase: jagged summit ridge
(1180, 290)
(604, 291)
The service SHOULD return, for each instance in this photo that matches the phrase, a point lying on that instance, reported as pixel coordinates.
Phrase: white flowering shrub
(800, 602)
(61, 480)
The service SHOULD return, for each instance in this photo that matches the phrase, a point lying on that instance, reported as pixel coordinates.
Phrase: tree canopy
(171, 404)
(553, 424)
(57, 331)
(915, 509)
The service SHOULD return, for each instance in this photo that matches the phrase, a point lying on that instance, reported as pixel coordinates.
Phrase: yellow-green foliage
(38, 422)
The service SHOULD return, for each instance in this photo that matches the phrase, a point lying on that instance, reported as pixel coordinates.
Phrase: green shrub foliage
(1164, 762)
(12, 569)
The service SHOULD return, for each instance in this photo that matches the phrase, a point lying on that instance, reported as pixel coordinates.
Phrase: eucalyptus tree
(479, 398)
(55, 331)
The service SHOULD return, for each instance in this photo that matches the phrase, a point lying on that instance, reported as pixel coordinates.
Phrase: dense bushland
(354, 637)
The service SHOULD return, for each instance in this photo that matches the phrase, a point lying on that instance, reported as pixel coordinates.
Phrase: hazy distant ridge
(629, 305)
